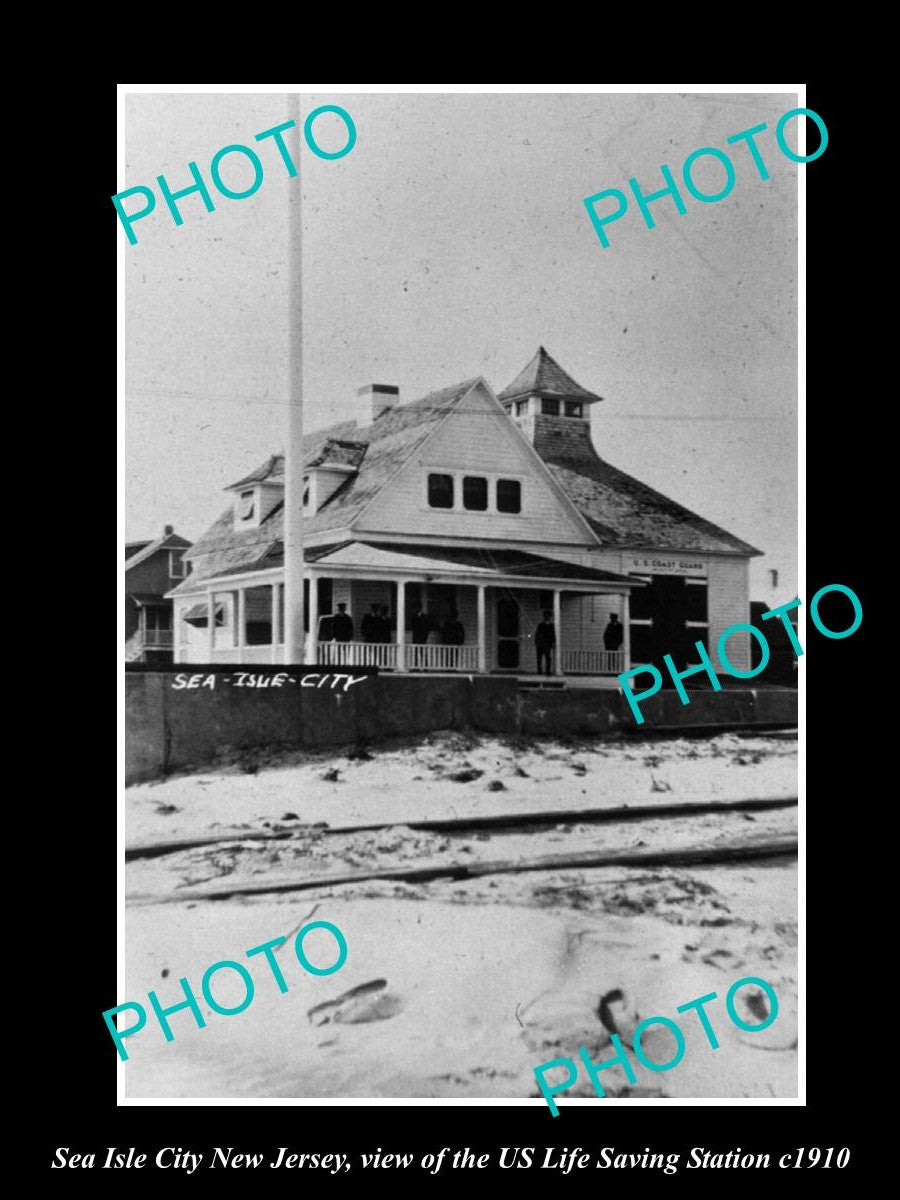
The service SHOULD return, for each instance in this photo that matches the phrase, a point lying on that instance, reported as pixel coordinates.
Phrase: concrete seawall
(169, 726)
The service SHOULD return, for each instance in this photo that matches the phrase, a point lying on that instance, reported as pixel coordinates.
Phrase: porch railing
(357, 654)
(384, 655)
(441, 658)
(593, 662)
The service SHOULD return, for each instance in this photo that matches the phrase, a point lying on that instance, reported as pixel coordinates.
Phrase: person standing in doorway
(545, 642)
(613, 634)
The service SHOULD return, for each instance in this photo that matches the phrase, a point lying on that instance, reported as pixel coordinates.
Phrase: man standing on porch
(613, 633)
(545, 641)
(453, 633)
(421, 626)
(370, 625)
(342, 625)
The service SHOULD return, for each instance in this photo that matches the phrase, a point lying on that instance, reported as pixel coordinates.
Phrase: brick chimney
(168, 529)
(378, 398)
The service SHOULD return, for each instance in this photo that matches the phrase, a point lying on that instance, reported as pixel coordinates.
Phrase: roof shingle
(545, 377)
(619, 508)
(378, 449)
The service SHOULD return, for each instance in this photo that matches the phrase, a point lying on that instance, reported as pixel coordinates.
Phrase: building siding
(729, 604)
(478, 440)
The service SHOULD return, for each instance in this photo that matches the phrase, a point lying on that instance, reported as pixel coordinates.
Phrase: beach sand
(473, 983)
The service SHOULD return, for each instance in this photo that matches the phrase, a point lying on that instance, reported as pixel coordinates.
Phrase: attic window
(550, 408)
(475, 493)
(509, 495)
(440, 491)
(521, 408)
(177, 564)
(246, 506)
(305, 496)
(574, 408)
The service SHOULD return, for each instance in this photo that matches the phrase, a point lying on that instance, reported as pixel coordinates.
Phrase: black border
(76, 1062)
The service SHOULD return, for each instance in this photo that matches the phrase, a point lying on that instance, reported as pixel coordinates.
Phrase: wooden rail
(727, 852)
(458, 825)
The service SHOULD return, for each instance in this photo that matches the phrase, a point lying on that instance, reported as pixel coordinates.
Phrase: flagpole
(294, 637)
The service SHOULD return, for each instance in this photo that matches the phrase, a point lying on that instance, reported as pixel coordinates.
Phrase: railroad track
(731, 852)
(497, 823)
(751, 845)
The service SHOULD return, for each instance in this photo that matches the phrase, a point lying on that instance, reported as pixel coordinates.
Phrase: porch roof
(145, 599)
(461, 562)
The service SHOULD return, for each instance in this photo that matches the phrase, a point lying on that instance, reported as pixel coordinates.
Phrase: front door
(508, 625)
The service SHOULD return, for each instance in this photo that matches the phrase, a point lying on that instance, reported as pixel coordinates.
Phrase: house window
(245, 506)
(440, 491)
(574, 408)
(475, 493)
(550, 408)
(177, 565)
(305, 497)
(521, 408)
(509, 495)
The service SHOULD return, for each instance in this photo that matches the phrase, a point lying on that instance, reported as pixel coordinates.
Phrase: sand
(483, 980)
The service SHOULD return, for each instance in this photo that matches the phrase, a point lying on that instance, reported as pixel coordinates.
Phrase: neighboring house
(151, 569)
(495, 508)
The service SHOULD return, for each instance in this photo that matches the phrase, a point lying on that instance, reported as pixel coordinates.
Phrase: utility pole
(294, 637)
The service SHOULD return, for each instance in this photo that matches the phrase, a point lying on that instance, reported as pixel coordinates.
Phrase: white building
(496, 508)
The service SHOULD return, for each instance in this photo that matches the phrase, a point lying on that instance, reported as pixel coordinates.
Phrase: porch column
(557, 623)
(482, 631)
(240, 621)
(210, 624)
(312, 651)
(276, 632)
(626, 621)
(401, 624)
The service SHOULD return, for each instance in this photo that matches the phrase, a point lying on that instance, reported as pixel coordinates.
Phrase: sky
(451, 242)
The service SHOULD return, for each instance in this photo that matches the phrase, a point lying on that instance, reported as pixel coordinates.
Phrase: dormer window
(574, 408)
(306, 494)
(246, 505)
(550, 408)
(521, 408)
(440, 491)
(509, 495)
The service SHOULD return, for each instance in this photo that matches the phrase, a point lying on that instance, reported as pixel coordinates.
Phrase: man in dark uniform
(384, 624)
(545, 641)
(370, 624)
(421, 626)
(453, 633)
(342, 625)
(613, 634)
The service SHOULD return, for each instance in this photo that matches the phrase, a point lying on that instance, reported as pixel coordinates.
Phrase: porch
(438, 658)
(148, 625)
(410, 610)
